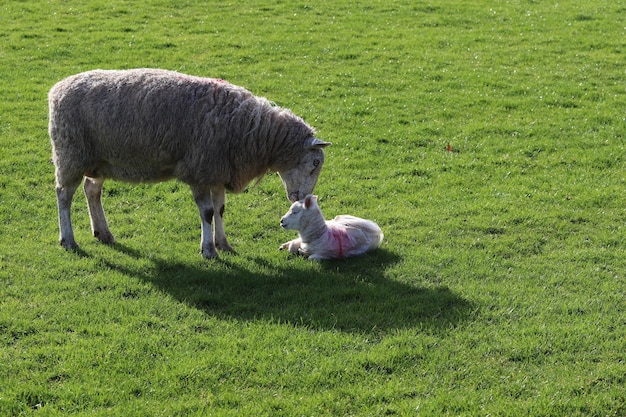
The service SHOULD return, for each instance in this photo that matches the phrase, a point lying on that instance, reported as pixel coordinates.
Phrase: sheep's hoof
(69, 245)
(105, 237)
(224, 246)
(210, 253)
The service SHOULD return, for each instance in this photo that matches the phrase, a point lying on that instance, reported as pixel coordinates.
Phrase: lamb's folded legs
(293, 246)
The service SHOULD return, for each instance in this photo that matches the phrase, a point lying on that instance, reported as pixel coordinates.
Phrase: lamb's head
(300, 179)
(301, 213)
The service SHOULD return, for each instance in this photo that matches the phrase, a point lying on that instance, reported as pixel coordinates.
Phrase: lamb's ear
(317, 144)
(309, 200)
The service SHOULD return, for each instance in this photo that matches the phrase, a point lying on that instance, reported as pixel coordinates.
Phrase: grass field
(499, 289)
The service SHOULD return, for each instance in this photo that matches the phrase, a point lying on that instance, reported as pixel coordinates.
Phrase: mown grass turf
(486, 139)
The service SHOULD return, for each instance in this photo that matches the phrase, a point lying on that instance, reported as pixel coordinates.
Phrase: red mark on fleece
(340, 240)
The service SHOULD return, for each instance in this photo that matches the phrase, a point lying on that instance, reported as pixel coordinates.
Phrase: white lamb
(318, 239)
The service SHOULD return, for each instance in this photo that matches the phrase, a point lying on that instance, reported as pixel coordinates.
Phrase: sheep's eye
(316, 163)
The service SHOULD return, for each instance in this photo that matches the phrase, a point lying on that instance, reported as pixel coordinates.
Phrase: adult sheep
(146, 125)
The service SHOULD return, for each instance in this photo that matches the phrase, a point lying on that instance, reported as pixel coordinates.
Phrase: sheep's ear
(317, 144)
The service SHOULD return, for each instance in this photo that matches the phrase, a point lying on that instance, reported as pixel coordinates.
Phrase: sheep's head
(300, 180)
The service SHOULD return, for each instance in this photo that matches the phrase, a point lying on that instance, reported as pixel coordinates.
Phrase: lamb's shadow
(351, 296)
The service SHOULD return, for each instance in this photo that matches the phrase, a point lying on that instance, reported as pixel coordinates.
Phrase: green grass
(499, 289)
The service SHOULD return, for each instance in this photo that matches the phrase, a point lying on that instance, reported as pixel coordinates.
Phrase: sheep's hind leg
(64, 204)
(218, 200)
(99, 226)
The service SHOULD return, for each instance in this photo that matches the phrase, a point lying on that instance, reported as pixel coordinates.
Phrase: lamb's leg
(218, 199)
(64, 204)
(93, 193)
(293, 246)
(203, 201)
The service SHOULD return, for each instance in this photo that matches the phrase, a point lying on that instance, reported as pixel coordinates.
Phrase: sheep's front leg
(218, 200)
(99, 226)
(205, 206)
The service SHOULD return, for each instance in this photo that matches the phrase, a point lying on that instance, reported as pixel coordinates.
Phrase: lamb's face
(291, 219)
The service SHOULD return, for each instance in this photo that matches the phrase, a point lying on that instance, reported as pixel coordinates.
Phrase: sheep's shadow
(351, 295)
